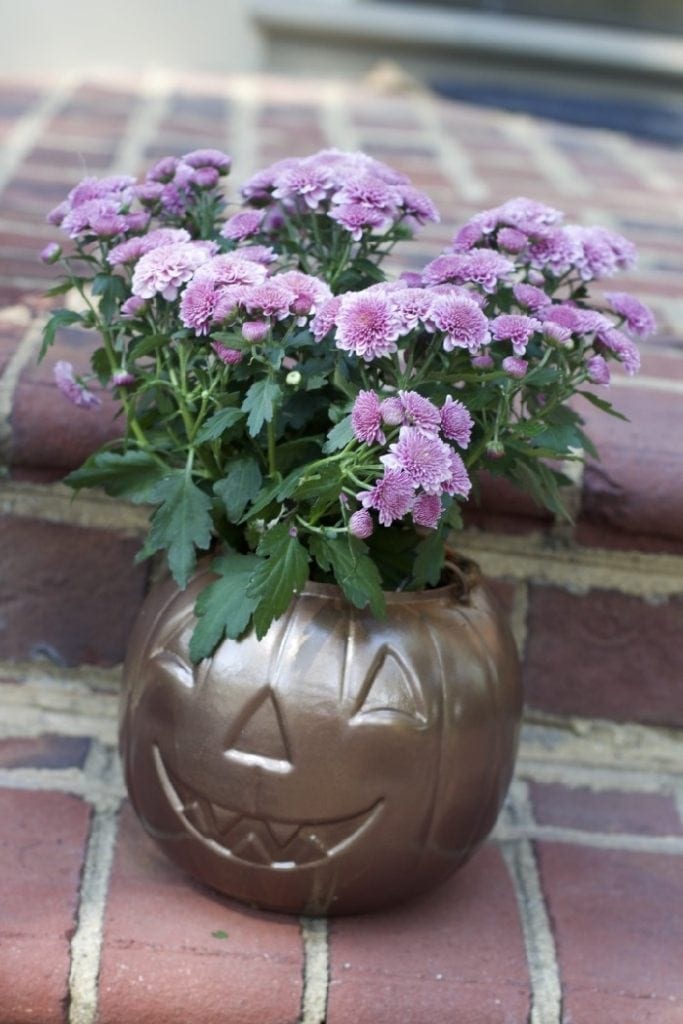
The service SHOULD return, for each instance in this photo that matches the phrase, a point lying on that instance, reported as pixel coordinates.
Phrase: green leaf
(324, 482)
(600, 403)
(217, 424)
(220, 934)
(99, 361)
(60, 318)
(60, 289)
(181, 523)
(558, 439)
(241, 483)
(150, 343)
(224, 608)
(543, 376)
(259, 403)
(133, 475)
(339, 436)
(355, 572)
(283, 571)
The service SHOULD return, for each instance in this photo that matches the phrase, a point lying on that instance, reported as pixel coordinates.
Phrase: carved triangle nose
(261, 737)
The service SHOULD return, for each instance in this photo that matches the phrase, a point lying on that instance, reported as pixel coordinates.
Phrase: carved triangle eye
(260, 737)
(391, 688)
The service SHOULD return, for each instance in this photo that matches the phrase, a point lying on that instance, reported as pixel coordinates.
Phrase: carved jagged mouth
(259, 841)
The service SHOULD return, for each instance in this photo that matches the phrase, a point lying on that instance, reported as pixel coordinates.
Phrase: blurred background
(608, 63)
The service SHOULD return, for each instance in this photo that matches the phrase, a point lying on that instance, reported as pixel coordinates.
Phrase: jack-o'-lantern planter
(311, 424)
(340, 764)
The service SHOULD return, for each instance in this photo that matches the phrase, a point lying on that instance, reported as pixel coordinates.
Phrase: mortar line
(155, 91)
(338, 128)
(241, 136)
(22, 355)
(539, 941)
(453, 157)
(628, 842)
(87, 940)
(27, 130)
(314, 931)
(543, 154)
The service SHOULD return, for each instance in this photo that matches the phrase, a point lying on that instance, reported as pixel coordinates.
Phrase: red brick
(647, 814)
(605, 654)
(46, 751)
(455, 954)
(593, 536)
(47, 430)
(161, 961)
(67, 594)
(618, 922)
(43, 841)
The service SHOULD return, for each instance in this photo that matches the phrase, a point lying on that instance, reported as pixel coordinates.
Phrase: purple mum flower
(325, 319)
(624, 349)
(417, 205)
(306, 180)
(361, 524)
(467, 237)
(254, 331)
(232, 269)
(483, 362)
(205, 177)
(132, 306)
(366, 418)
(426, 459)
(639, 317)
(243, 225)
(456, 422)
(412, 304)
(165, 269)
(392, 496)
(420, 413)
(356, 219)
(367, 324)
(512, 240)
(73, 389)
(270, 298)
(229, 356)
(258, 254)
(598, 370)
(600, 253)
(555, 249)
(392, 411)
(208, 158)
(529, 297)
(461, 320)
(427, 510)
(309, 292)
(516, 328)
(163, 170)
(481, 266)
(515, 367)
(198, 305)
(458, 483)
(564, 315)
(555, 333)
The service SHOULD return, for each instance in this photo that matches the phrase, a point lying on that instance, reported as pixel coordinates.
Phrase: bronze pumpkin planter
(338, 765)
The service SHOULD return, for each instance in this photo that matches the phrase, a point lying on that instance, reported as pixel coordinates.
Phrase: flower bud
(293, 378)
(51, 253)
(254, 331)
(360, 524)
(495, 450)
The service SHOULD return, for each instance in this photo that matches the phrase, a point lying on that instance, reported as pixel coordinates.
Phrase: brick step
(98, 926)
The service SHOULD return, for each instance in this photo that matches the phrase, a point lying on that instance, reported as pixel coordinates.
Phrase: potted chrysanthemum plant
(316, 429)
